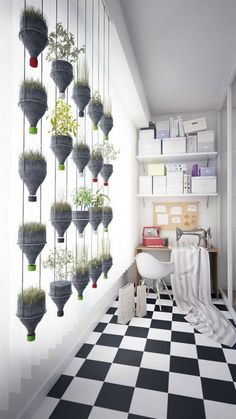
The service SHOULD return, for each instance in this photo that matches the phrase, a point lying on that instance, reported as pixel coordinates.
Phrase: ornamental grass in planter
(60, 217)
(95, 109)
(32, 170)
(31, 308)
(107, 216)
(96, 209)
(64, 125)
(106, 257)
(62, 52)
(80, 276)
(95, 270)
(81, 90)
(82, 199)
(61, 262)
(81, 156)
(31, 240)
(96, 161)
(106, 121)
(33, 102)
(110, 153)
(33, 33)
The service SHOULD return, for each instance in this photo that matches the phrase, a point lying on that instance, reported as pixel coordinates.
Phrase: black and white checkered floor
(154, 367)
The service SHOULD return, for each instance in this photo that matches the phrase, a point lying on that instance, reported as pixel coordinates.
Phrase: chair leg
(168, 292)
(159, 297)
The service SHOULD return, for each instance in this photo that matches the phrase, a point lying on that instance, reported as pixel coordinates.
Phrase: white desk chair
(153, 272)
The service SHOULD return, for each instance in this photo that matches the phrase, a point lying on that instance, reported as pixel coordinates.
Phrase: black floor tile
(111, 310)
(161, 324)
(221, 307)
(153, 380)
(70, 410)
(114, 319)
(180, 407)
(211, 354)
(182, 337)
(232, 368)
(139, 332)
(60, 387)
(95, 370)
(157, 346)
(148, 315)
(114, 396)
(100, 327)
(179, 317)
(184, 365)
(84, 351)
(151, 300)
(165, 297)
(218, 390)
(128, 357)
(164, 309)
(131, 416)
(107, 339)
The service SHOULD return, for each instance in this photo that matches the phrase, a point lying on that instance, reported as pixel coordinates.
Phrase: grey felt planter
(61, 220)
(95, 166)
(61, 146)
(81, 158)
(106, 266)
(94, 273)
(60, 292)
(30, 315)
(33, 173)
(95, 111)
(106, 124)
(34, 35)
(31, 243)
(81, 96)
(106, 172)
(33, 103)
(95, 217)
(62, 75)
(107, 216)
(80, 219)
(80, 282)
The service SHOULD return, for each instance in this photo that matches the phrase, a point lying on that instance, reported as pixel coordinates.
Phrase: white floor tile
(74, 366)
(155, 361)
(182, 327)
(227, 314)
(101, 413)
(122, 374)
(150, 307)
(133, 343)
(185, 385)
(46, 408)
(149, 403)
(230, 355)
(205, 341)
(82, 390)
(213, 369)
(217, 410)
(106, 318)
(166, 302)
(93, 338)
(140, 322)
(159, 334)
(115, 329)
(115, 304)
(186, 350)
(176, 310)
(161, 315)
(102, 353)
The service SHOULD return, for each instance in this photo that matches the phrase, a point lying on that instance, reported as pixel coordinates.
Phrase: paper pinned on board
(161, 209)
(192, 208)
(162, 219)
(176, 211)
(176, 220)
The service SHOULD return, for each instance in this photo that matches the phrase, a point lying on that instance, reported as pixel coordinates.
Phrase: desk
(213, 253)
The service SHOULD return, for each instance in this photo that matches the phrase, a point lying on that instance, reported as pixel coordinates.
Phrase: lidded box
(151, 236)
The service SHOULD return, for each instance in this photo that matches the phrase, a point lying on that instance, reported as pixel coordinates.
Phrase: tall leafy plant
(61, 45)
(62, 120)
(83, 198)
(59, 259)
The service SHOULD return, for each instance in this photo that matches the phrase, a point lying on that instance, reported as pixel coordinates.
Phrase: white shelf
(189, 195)
(178, 157)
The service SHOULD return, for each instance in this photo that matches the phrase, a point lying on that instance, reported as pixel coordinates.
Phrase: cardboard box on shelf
(145, 185)
(162, 129)
(156, 169)
(149, 147)
(175, 182)
(207, 171)
(206, 141)
(174, 145)
(191, 143)
(195, 125)
(146, 134)
(204, 185)
(159, 185)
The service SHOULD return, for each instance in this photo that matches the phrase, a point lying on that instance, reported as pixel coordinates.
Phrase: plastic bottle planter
(95, 272)
(95, 217)
(60, 220)
(106, 266)
(61, 146)
(60, 292)
(33, 173)
(80, 220)
(62, 75)
(80, 282)
(95, 111)
(106, 124)
(34, 35)
(31, 243)
(107, 216)
(81, 96)
(106, 172)
(30, 315)
(95, 166)
(80, 157)
(33, 103)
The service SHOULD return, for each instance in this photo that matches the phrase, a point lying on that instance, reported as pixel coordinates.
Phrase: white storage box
(159, 185)
(174, 145)
(192, 143)
(175, 182)
(204, 184)
(146, 134)
(149, 147)
(156, 169)
(195, 125)
(145, 185)
(162, 129)
(207, 171)
(206, 141)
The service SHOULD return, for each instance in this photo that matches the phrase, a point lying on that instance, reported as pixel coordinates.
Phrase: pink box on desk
(151, 237)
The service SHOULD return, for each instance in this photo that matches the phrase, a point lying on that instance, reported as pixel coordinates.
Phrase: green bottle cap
(32, 267)
(61, 167)
(33, 130)
(30, 338)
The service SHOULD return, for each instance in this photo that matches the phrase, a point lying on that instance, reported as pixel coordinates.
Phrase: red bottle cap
(33, 62)
(94, 286)
(105, 183)
(95, 179)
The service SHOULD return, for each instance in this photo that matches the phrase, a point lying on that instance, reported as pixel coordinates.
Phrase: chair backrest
(151, 268)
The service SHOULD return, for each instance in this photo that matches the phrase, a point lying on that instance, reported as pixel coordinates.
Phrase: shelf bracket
(207, 201)
(144, 202)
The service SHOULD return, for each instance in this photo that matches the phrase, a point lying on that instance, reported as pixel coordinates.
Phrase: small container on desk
(151, 237)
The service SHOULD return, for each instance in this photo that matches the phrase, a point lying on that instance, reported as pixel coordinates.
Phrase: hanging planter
(106, 172)
(110, 153)
(82, 199)
(95, 217)
(61, 146)
(80, 220)
(33, 102)
(95, 270)
(107, 216)
(95, 109)
(81, 90)
(33, 33)
(32, 170)
(81, 156)
(62, 52)
(31, 308)
(96, 161)
(106, 124)
(31, 240)
(80, 278)
(106, 265)
(60, 292)
(61, 218)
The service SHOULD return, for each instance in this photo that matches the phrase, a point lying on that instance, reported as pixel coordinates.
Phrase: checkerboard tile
(153, 367)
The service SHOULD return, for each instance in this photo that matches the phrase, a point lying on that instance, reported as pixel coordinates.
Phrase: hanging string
(77, 119)
(85, 113)
(67, 29)
(55, 161)
(98, 70)
(103, 80)
(92, 86)
(108, 56)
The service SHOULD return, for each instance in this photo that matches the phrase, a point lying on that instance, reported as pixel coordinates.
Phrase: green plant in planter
(61, 216)
(95, 270)
(80, 278)
(31, 309)
(82, 72)
(62, 120)
(99, 199)
(32, 227)
(96, 161)
(32, 170)
(33, 102)
(31, 240)
(107, 108)
(97, 151)
(106, 256)
(95, 211)
(32, 84)
(31, 295)
(83, 198)
(61, 206)
(95, 109)
(61, 45)
(32, 155)
(33, 13)
(106, 122)
(110, 152)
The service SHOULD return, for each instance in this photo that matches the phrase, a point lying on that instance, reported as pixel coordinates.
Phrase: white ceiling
(185, 51)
